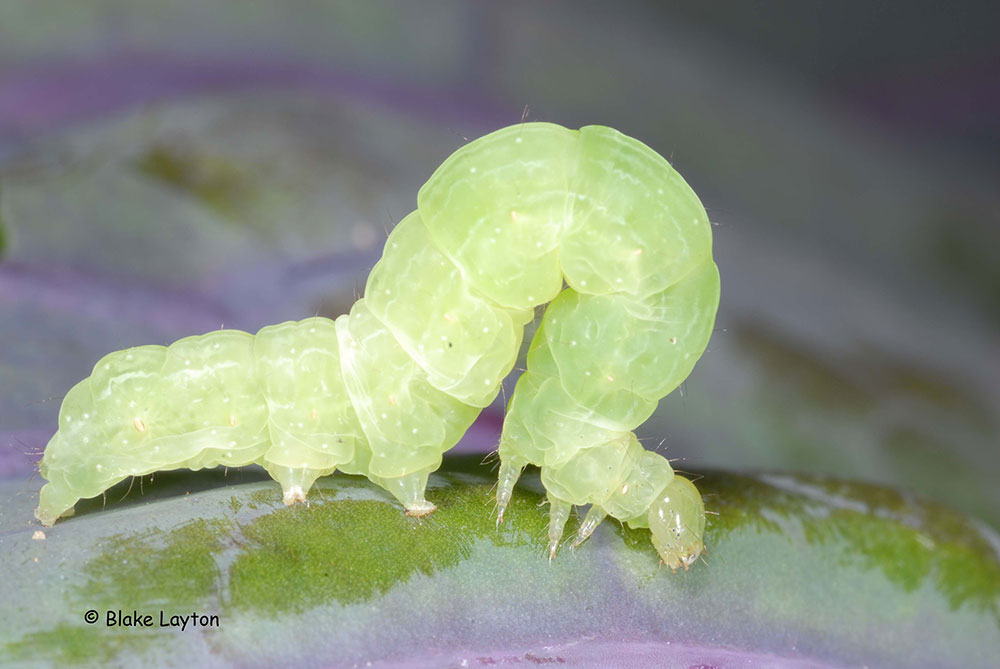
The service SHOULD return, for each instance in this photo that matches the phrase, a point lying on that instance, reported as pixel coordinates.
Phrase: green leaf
(797, 568)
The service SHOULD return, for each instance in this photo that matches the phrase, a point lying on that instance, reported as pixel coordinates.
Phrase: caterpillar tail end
(558, 515)
(53, 505)
(510, 472)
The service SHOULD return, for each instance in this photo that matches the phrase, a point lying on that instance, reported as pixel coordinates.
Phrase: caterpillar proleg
(590, 220)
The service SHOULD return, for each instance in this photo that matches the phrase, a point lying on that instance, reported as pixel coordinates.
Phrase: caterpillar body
(384, 390)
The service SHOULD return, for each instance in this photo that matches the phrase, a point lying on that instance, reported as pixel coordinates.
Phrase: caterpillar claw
(510, 472)
(558, 515)
(295, 481)
(590, 523)
(421, 509)
(553, 547)
(293, 495)
(409, 489)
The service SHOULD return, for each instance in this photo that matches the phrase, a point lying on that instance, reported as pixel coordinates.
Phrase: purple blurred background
(169, 168)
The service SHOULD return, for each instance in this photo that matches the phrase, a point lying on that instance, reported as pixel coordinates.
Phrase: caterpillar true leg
(510, 472)
(636, 252)
(589, 524)
(558, 515)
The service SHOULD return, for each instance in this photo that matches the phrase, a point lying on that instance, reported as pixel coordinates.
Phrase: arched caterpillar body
(384, 390)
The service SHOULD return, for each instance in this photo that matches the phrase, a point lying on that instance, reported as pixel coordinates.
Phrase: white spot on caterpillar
(187, 363)
(385, 415)
(513, 215)
(659, 191)
(86, 440)
(448, 318)
(107, 366)
(611, 378)
(100, 468)
(517, 140)
(138, 424)
(625, 489)
(216, 345)
(392, 400)
(673, 340)
(573, 343)
(472, 170)
(415, 430)
(215, 431)
(326, 445)
(637, 252)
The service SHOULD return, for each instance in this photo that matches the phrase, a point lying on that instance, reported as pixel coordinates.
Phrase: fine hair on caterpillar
(591, 222)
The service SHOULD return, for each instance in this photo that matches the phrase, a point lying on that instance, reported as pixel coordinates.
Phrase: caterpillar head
(677, 522)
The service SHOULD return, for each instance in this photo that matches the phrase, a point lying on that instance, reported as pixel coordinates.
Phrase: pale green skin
(385, 390)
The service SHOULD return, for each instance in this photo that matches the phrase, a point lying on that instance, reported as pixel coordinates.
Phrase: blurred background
(172, 168)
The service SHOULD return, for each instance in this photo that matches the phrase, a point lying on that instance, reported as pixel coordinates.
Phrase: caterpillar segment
(383, 391)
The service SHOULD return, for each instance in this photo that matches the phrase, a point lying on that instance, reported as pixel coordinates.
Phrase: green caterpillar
(384, 390)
